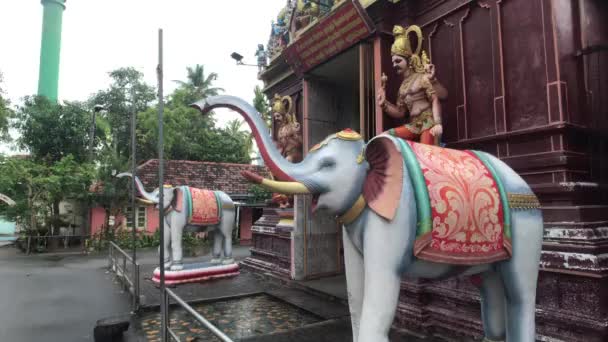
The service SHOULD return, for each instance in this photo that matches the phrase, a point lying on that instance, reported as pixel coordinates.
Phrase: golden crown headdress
(284, 105)
(281, 104)
(402, 46)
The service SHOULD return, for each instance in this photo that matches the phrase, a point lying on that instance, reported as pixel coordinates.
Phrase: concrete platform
(334, 286)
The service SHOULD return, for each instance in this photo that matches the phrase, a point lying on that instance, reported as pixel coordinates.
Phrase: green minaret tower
(48, 79)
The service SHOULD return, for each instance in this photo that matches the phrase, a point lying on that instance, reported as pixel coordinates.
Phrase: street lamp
(239, 59)
(97, 108)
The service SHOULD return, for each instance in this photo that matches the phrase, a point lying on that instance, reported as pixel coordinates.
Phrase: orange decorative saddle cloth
(463, 211)
(203, 206)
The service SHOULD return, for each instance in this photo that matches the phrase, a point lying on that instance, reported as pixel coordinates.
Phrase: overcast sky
(100, 36)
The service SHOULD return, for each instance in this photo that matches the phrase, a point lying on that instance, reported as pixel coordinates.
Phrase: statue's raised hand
(381, 97)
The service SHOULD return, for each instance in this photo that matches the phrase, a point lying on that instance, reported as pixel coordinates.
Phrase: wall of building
(245, 223)
(519, 90)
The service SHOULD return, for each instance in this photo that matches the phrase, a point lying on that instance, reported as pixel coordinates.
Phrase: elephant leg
(167, 246)
(226, 227)
(520, 274)
(217, 247)
(178, 222)
(353, 261)
(493, 306)
(228, 259)
(383, 257)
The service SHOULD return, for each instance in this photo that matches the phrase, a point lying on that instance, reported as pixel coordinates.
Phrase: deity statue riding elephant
(203, 210)
(417, 210)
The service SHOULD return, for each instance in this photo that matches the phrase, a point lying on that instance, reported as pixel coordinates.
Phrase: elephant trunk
(280, 167)
(140, 187)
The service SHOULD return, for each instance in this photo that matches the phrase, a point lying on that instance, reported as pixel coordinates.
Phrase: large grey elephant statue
(371, 191)
(177, 220)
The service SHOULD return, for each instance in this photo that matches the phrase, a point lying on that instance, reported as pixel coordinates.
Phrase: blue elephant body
(368, 187)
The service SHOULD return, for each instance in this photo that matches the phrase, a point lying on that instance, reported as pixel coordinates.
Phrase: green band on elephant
(188, 200)
(219, 203)
(423, 202)
(501, 190)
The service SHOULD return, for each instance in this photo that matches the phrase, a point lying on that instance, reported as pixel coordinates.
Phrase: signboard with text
(335, 33)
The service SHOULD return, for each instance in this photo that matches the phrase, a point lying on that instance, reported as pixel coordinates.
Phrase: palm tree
(200, 84)
(233, 128)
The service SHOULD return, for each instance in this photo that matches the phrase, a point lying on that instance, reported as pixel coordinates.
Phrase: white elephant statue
(394, 224)
(177, 211)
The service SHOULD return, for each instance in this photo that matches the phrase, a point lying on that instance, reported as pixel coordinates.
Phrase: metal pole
(133, 172)
(161, 181)
(92, 134)
(214, 330)
(96, 108)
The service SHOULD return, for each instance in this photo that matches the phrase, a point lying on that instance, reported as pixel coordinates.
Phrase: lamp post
(239, 59)
(133, 175)
(96, 109)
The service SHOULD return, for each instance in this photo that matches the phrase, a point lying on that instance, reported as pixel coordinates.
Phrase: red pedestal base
(195, 273)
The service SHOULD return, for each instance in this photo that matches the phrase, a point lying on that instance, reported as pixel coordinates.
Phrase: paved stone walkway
(53, 297)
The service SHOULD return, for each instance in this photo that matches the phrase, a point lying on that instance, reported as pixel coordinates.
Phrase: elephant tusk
(289, 188)
(144, 201)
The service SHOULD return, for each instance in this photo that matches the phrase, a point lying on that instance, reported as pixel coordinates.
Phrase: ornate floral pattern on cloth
(204, 207)
(468, 219)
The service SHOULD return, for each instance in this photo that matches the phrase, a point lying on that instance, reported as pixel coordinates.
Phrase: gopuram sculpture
(279, 34)
(288, 138)
(262, 57)
(419, 92)
(289, 135)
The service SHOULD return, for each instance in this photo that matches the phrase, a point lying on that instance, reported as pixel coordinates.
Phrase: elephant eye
(327, 164)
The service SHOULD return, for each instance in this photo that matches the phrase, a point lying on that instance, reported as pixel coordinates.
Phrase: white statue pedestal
(197, 272)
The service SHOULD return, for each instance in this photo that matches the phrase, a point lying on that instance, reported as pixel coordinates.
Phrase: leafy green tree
(57, 137)
(51, 131)
(262, 105)
(128, 93)
(37, 186)
(233, 128)
(5, 114)
(188, 136)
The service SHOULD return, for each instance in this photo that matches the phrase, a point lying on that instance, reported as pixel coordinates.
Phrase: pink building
(206, 175)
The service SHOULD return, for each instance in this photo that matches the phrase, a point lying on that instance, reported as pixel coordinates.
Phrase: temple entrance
(337, 95)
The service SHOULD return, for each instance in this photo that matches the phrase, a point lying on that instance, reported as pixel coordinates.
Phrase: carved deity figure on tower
(262, 57)
(419, 93)
(289, 135)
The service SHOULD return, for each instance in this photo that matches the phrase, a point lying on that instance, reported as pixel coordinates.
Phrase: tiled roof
(205, 175)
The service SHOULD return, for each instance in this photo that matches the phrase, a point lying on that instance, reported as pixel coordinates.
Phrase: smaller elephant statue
(181, 210)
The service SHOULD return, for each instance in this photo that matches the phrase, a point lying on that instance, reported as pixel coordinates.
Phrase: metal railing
(214, 330)
(122, 272)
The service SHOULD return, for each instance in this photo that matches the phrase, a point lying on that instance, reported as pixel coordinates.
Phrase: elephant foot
(216, 261)
(228, 261)
(167, 265)
(178, 266)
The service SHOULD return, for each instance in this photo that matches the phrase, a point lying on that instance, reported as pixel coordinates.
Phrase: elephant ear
(384, 181)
